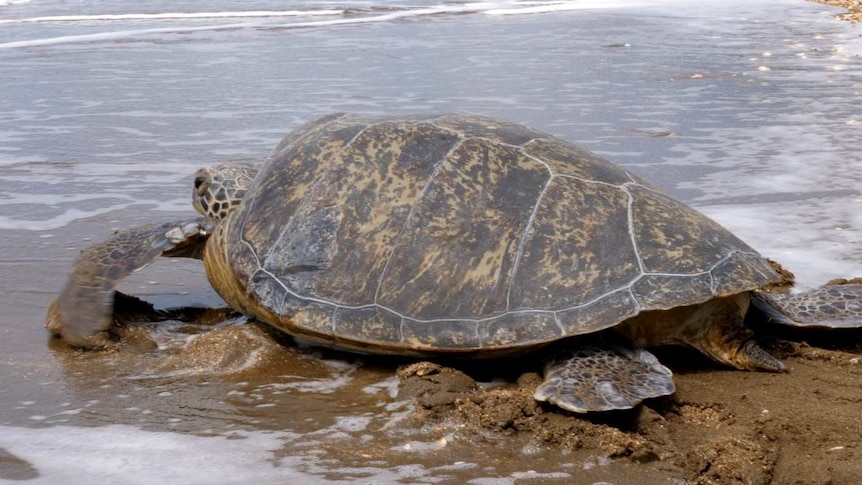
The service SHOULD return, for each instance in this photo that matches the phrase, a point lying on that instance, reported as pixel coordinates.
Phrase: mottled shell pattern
(463, 233)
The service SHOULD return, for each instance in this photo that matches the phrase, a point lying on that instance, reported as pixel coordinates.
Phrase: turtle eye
(201, 185)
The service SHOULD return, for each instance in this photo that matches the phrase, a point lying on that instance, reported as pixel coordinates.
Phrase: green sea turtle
(457, 236)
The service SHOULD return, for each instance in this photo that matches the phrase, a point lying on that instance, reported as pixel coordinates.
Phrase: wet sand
(854, 9)
(720, 427)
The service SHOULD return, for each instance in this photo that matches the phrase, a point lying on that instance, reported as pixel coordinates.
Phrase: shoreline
(854, 9)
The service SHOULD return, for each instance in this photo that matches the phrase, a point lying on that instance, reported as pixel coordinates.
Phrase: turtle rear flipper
(83, 313)
(599, 378)
(829, 306)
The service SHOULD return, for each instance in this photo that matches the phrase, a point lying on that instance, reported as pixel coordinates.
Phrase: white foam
(176, 16)
(491, 8)
(537, 7)
(125, 454)
(561, 6)
(315, 386)
(390, 385)
(818, 240)
(60, 220)
(353, 424)
(396, 15)
(122, 34)
(4, 3)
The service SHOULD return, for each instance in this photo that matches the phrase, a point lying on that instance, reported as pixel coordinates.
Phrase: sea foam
(63, 454)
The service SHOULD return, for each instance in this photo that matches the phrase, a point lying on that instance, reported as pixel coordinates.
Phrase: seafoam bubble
(817, 239)
(176, 16)
(353, 424)
(342, 374)
(317, 386)
(359, 14)
(390, 385)
(120, 453)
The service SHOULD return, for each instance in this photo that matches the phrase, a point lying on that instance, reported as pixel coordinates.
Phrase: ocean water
(749, 110)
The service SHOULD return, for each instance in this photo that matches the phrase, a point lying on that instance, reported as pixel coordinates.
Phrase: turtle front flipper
(83, 313)
(599, 378)
(829, 306)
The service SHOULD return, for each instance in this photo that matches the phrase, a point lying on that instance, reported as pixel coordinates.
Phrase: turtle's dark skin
(459, 236)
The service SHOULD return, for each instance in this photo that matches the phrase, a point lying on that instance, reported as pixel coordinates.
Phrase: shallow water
(748, 110)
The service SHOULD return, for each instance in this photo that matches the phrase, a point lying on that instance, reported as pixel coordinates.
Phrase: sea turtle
(457, 236)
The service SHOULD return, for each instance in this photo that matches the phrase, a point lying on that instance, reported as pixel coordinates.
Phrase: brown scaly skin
(219, 189)
(715, 328)
(83, 313)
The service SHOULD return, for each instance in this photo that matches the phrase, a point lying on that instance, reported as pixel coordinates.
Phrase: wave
(562, 6)
(348, 16)
(173, 16)
(91, 190)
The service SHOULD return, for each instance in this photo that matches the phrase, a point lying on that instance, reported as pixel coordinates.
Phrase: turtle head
(219, 189)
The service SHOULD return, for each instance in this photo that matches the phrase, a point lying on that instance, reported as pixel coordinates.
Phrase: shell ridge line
(530, 221)
(471, 320)
(523, 240)
(633, 181)
(314, 299)
(259, 267)
(730, 255)
(314, 187)
(523, 146)
(523, 151)
(559, 323)
(588, 181)
(438, 166)
(631, 224)
(240, 226)
(638, 305)
(527, 154)
(433, 119)
(336, 305)
(433, 122)
(595, 300)
(250, 201)
(707, 271)
(630, 288)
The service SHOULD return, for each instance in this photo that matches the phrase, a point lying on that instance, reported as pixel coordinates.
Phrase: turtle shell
(465, 233)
